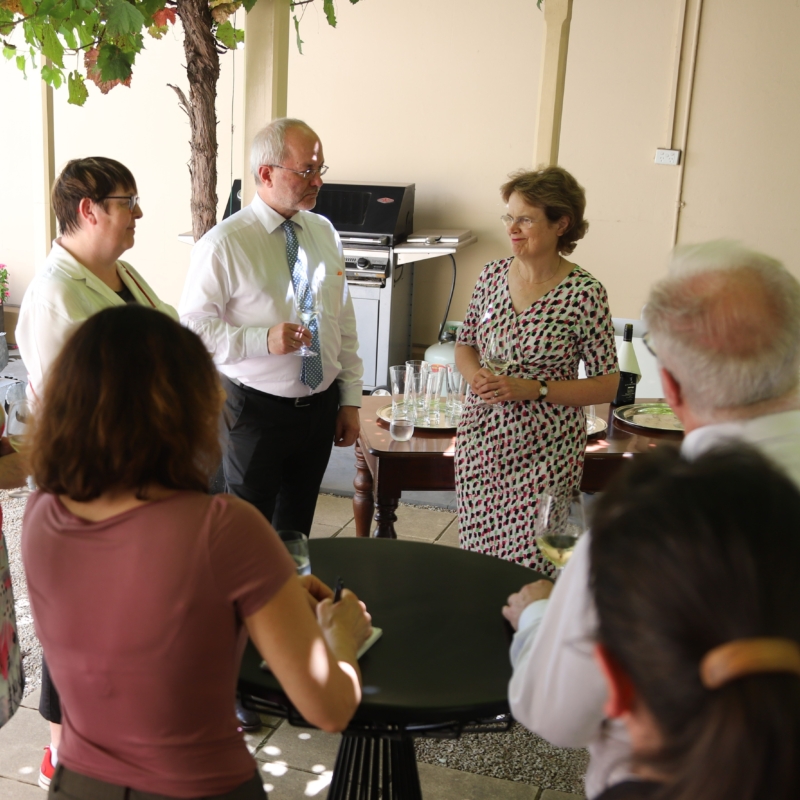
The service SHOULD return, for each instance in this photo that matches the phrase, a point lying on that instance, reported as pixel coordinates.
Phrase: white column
(557, 18)
(266, 73)
(43, 164)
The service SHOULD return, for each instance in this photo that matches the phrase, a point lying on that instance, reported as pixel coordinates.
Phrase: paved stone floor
(295, 763)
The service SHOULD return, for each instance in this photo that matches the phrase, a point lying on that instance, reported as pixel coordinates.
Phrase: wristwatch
(542, 389)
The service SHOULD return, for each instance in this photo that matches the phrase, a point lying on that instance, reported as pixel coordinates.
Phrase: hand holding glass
(307, 306)
(497, 355)
(560, 522)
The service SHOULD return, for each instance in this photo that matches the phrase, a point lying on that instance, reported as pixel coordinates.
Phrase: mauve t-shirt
(140, 617)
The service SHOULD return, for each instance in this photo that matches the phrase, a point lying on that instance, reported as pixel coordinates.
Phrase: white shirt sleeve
(202, 308)
(557, 690)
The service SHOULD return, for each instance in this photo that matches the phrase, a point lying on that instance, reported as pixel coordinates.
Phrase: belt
(298, 402)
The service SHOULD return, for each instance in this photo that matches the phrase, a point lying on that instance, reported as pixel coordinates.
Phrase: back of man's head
(726, 324)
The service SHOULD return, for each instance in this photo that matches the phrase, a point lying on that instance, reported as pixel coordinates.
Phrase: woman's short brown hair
(558, 194)
(95, 178)
(133, 400)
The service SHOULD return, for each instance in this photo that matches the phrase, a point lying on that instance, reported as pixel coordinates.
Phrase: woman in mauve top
(143, 586)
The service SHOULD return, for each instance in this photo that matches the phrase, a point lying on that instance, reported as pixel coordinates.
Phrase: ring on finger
(496, 393)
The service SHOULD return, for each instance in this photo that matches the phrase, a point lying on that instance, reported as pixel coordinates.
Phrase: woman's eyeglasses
(523, 222)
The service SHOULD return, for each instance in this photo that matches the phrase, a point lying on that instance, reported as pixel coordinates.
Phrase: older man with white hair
(725, 328)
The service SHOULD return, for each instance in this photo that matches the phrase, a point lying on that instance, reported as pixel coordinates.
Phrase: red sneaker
(47, 770)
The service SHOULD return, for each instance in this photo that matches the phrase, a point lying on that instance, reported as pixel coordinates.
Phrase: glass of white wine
(297, 544)
(560, 522)
(497, 355)
(307, 306)
(16, 430)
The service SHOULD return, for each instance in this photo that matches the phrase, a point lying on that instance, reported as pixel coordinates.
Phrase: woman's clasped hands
(493, 389)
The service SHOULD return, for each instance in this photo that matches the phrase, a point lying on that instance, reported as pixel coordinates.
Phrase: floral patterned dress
(508, 453)
(11, 680)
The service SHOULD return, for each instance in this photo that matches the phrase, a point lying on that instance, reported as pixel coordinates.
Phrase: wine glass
(16, 430)
(497, 355)
(307, 306)
(560, 522)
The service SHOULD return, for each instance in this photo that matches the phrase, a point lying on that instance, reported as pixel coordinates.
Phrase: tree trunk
(202, 66)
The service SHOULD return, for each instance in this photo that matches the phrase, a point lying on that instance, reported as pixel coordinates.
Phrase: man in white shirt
(725, 327)
(283, 411)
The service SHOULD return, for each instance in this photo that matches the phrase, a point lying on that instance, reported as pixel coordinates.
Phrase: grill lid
(362, 213)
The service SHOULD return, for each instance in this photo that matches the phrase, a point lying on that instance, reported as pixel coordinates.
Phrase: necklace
(552, 275)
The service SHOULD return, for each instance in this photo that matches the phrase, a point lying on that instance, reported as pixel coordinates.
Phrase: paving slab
(32, 700)
(301, 748)
(18, 790)
(334, 510)
(22, 740)
(321, 530)
(419, 524)
(552, 794)
(450, 535)
(285, 783)
(440, 783)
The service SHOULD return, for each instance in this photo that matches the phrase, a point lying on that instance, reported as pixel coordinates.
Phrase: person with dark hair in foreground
(725, 328)
(143, 586)
(695, 573)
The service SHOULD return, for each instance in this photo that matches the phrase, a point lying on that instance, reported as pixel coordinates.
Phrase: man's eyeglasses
(648, 343)
(133, 199)
(308, 174)
(523, 222)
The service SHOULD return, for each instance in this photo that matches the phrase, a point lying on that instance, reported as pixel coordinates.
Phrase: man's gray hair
(726, 324)
(269, 144)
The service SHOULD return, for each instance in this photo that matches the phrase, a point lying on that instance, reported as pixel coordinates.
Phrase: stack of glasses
(417, 389)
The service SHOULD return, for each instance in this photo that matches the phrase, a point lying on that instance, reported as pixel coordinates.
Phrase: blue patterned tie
(311, 372)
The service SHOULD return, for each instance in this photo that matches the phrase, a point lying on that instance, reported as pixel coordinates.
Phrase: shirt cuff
(350, 395)
(529, 621)
(255, 342)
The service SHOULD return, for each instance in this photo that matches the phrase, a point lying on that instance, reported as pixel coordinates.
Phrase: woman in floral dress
(523, 432)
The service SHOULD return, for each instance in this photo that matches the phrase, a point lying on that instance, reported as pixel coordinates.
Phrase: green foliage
(77, 89)
(108, 34)
(297, 32)
(229, 36)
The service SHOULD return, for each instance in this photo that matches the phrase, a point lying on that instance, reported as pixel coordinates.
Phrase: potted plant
(3, 294)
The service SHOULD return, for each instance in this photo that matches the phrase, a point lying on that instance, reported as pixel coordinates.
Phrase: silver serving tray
(649, 417)
(595, 426)
(385, 413)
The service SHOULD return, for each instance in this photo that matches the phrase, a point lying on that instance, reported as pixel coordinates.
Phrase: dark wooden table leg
(385, 516)
(363, 499)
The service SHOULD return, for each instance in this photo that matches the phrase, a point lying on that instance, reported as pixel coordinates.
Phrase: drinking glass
(404, 411)
(456, 393)
(16, 430)
(297, 545)
(591, 419)
(560, 522)
(307, 306)
(497, 355)
(433, 392)
(418, 375)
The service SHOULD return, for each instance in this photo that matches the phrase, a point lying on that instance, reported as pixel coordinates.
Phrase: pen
(337, 592)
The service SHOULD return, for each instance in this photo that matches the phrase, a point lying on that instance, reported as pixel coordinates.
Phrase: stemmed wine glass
(307, 306)
(497, 355)
(560, 522)
(16, 430)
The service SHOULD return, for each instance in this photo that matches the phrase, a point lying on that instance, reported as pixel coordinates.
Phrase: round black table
(441, 666)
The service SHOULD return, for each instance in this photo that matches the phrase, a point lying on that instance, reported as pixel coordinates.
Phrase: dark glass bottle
(629, 372)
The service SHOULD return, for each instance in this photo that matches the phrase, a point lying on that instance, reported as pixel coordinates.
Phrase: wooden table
(386, 468)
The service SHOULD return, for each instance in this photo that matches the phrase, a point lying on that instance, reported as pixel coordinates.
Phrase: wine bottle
(629, 372)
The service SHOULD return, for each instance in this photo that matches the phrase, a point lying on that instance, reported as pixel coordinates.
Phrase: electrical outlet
(669, 157)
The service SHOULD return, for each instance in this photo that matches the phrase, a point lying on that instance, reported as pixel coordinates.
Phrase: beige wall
(444, 94)
(143, 127)
(441, 94)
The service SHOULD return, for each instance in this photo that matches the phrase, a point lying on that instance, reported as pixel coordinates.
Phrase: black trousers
(69, 785)
(276, 453)
(49, 702)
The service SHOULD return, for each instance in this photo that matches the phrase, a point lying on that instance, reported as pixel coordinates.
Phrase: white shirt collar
(270, 218)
